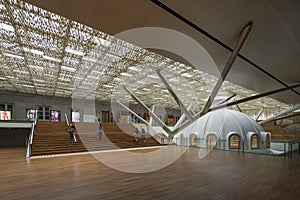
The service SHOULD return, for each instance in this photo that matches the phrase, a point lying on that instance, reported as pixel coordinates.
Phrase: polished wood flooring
(220, 175)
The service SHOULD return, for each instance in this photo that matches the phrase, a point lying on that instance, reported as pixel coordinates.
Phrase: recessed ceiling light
(70, 69)
(51, 58)
(108, 86)
(126, 74)
(19, 71)
(34, 51)
(36, 67)
(89, 59)
(7, 27)
(133, 68)
(152, 76)
(31, 86)
(13, 56)
(72, 51)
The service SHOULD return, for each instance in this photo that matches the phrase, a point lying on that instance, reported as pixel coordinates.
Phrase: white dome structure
(224, 129)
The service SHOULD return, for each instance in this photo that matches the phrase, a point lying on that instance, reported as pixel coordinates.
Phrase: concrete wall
(21, 102)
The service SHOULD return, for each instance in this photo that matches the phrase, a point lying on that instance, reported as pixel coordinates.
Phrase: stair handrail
(30, 138)
(68, 124)
(155, 134)
(66, 117)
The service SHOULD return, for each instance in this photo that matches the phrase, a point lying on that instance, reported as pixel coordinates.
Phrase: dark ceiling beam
(253, 97)
(274, 118)
(239, 108)
(186, 21)
(227, 99)
(288, 116)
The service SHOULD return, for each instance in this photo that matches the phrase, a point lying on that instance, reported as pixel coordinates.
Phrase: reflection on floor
(220, 175)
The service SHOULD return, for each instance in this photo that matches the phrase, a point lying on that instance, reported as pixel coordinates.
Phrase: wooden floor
(220, 175)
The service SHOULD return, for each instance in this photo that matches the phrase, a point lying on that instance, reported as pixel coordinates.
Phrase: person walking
(71, 131)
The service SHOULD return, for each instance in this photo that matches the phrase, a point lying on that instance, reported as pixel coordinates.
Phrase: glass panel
(234, 142)
(10, 107)
(211, 141)
(2, 106)
(254, 142)
(268, 142)
(193, 140)
(41, 113)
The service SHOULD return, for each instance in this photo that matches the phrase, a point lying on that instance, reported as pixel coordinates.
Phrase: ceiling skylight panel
(7, 45)
(80, 33)
(112, 56)
(94, 53)
(57, 25)
(8, 35)
(69, 61)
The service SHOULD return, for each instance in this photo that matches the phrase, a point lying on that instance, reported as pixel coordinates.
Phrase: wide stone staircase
(52, 138)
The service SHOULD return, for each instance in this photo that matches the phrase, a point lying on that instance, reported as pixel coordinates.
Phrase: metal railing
(68, 124)
(30, 138)
(157, 136)
(285, 137)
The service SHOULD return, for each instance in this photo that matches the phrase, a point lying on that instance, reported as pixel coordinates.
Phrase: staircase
(52, 138)
(113, 138)
(278, 133)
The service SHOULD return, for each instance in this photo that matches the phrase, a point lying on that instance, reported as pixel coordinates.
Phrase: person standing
(135, 134)
(100, 131)
(144, 135)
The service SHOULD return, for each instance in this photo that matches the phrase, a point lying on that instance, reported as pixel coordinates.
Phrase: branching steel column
(160, 123)
(151, 119)
(239, 108)
(178, 101)
(280, 114)
(132, 112)
(228, 66)
(182, 117)
(253, 97)
(259, 113)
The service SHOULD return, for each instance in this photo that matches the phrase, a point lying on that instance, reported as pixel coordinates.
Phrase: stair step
(52, 138)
